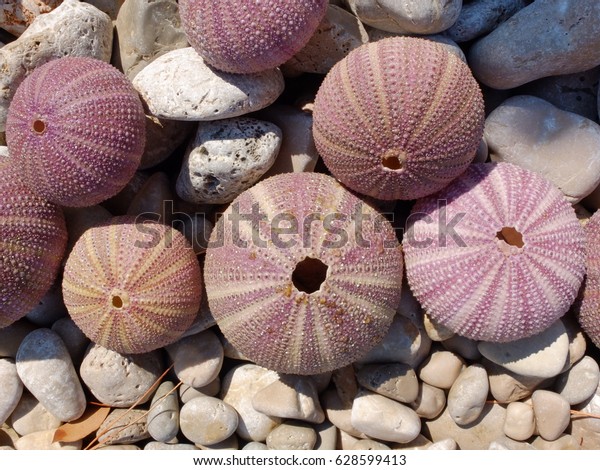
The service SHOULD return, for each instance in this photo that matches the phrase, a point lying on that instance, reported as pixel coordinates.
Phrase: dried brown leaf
(89, 422)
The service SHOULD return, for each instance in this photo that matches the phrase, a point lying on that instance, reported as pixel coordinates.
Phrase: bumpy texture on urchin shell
(249, 37)
(33, 237)
(589, 308)
(399, 98)
(478, 285)
(254, 299)
(93, 132)
(152, 273)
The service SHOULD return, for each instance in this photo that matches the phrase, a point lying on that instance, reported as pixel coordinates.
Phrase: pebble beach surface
(211, 135)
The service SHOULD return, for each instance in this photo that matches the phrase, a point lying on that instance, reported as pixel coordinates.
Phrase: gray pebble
(292, 436)
(30, 416)
(49, 309)
(123, 427)
(231, 443)
(339, 413)
(186, 393)
(430, 401)
(253, 445)
(464, 347)
(580, 382)
(163, 417)
(75, 341)
(11, 388)
(468, 395)
(396, 381)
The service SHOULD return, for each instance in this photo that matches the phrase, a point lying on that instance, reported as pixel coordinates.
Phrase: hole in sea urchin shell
(511, 236)
(117, 301)
(393, 159)
(39, 126)
(309, 274)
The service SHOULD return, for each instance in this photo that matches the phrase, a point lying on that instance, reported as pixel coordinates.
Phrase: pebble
(72, 29)
(561, 146)
(339, 413)
(179, 85)
(12, 335)
(382, 418)
(49, 309)
(163, 137)
(120, 380)
(110, 7)
(520, 421)
(430, 401)
(45, 368)
(434, 330)
(227, 157)
(468, 395)
(153, 445)
(463, 347)
(16, 16)
(586, 429)
(30, 416)
(578, 383)
(42, 440)
(505, 443)
(479, 17)
(326, 436)
(441, 369)
(423, 17)
(344, 380)
(253, 445)
(542, 355)
(163, 414)
(577, 341)
(75, 341)
(186, 393)
(146, 30)
(506, 386)
(197, 359)
(238, 387)
(418, 443)
(231, 443)
(290, 396)
(564, 442)
(292, 436)
(123, 427)
(207, 420)
(396, 381)
(552, 414)
(11, 387)
(444, 444)
(369, 444)
(540, 40)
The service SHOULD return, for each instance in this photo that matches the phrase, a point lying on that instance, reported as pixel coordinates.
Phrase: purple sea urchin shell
(302, 276)
(76, 131)
(497, 256)
(132, 286)
(33, 237)
(589, 310)
(249, 37)
(398, 119)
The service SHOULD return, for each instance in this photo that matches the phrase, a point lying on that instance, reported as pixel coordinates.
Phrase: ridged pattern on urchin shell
(588, 312)
(94, 133)
(251, 291)
(249, 37)
(132, 287)
(406, 100)
(476, 284)
(33, 237)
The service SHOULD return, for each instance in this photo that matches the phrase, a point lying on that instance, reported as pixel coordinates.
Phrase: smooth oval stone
(45, 367)
(444, 444)
(369, 444)
(255, 446)
(179, 85)
(382, 418)
(292, 436)
(340, 413)
(563, 442)
(327, 435)
(520, 421)
(120, 380)
(561, 146)
(441, 369)
(434, 330)
(42, 440)
(542, 355)
(580, 382)
(186, 393)
(396, 381)
(30, 416)
(197, 359)
(11, 388)
(124, 427)
(152, 199)
(506, 386)
(552, 414)
(207, 420)
(468, 395)
(49, 309)
(163, 416)
(231, 443)
(430, 401)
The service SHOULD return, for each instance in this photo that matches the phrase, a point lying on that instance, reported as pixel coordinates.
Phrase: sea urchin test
(76, 131)
(589, 310)
(399, 118)
(302, 276)
(498, 255)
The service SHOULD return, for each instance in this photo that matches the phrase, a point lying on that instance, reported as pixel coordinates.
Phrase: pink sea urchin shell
(497, 256)
(76, 131)
(132, 287)
(310, 287)
(33, 237)
(589, 310)
(249, 37)
(398, 118)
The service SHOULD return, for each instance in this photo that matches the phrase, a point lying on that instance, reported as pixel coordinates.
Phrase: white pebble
(207, 420)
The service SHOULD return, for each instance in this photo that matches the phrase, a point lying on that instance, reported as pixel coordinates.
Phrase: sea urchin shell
(249, 37)
(33, 237)
(76, 131)
(497, 256)
(589, 309)
(302, 277)
(398, 118)
(132, 286)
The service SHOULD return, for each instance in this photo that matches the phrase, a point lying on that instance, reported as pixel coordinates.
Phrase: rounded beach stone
(292, 436)
(536, 135)
(45, 367)
(207, 420)
(580, 382)
(163, 417)
(369, 444)
(396, 381)
(382, 418)
(197, 359)
(543, 355)
(75, 341)
(179, 85)
(519, 423)
(434, 330)
(468, 395)
(508, 387)
(186, 393)
(49, 309)
(444, 444)
(124, 427)
(43, 440)
(545, 38)
(339, 413)
(225, 158)
(552, 414)
(11, 386)
(563, 442)
(30, 416)
(163, 137)
(326, 436)
(255, 446)
(441, 369)
(430, 401)
(231, 443)
(120, 380)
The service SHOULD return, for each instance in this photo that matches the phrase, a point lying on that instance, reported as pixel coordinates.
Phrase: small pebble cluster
(136, 313)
